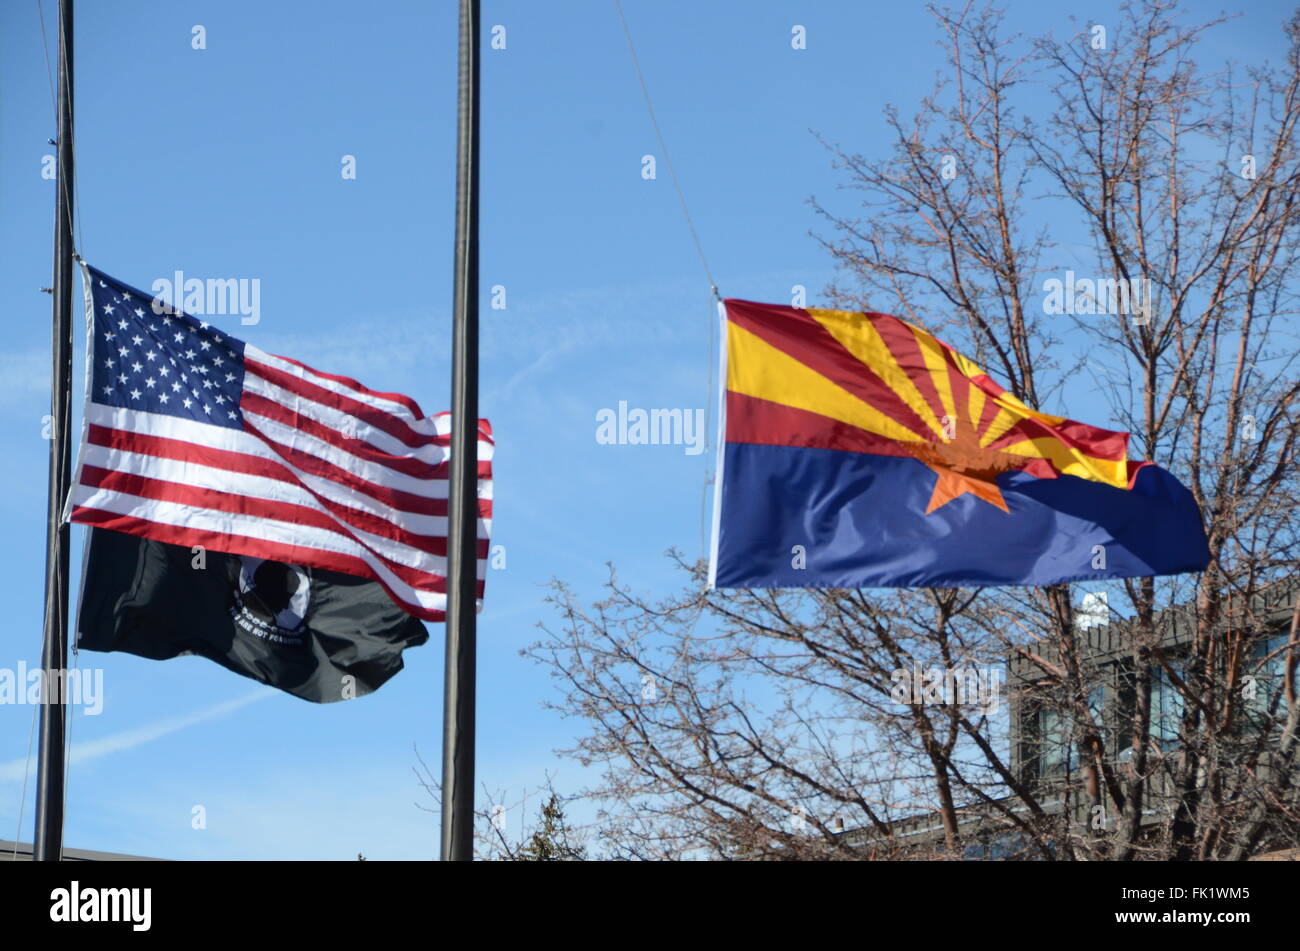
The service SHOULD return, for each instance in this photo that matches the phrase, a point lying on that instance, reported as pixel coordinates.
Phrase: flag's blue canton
(166, 363)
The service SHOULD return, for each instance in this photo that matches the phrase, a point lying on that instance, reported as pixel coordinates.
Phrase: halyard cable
(27, 763)
(699, 249)
(70, 719)
(663, 147)
(45, 48)
(27, 769)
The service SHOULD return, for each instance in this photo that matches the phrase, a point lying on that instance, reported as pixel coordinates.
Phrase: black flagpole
(54, 653)
(462, 535)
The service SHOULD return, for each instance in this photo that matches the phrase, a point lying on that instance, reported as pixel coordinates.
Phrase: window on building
(1167, 705)
(1267, 665)
(1058, 744)
(1054, 742)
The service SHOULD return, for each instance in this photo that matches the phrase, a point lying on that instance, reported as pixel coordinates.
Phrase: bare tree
(1185, 183)
(550, 837)
(766, 724)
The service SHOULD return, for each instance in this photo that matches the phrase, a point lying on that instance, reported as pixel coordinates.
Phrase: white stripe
(291, 438)
(276, 530)
(348, 424)
(295, 439)
(192, 473)
(344, 423)
(438, 425)
(181, 516)
(299, 492)
(228, 523)
(254, 486)
(236, 440)
(66, 514)
(309, 536)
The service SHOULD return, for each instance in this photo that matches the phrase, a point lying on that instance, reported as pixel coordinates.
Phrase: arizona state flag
(861, 451)
(319, 635)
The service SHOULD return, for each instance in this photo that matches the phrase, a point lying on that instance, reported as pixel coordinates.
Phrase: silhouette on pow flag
(275, 593)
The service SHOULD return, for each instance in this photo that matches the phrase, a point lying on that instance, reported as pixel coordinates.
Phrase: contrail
(14, 770)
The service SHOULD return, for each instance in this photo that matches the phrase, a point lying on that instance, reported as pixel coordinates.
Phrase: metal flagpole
(54, 653)
(462, 536)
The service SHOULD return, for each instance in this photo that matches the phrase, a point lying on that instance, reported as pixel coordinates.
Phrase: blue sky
(225, 162)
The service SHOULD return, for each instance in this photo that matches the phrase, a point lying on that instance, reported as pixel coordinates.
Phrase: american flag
(195, 438)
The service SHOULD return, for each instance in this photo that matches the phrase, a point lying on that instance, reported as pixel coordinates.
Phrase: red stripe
(204, 498)
(960, 385)
(1079, 437)
(763, 422)
(990, 410)
(239, 504)
(395, 426)
(244, 545)
(906, 350)
(352, 384)
(165, 447)
(484, 427)
(314, 465)
(276, 511)
(407, 465)
(182, 451)
(798, 334)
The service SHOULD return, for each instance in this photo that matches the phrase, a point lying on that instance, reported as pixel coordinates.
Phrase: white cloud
(15, 770)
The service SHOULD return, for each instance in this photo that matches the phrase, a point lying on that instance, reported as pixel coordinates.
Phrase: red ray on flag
(870, 441)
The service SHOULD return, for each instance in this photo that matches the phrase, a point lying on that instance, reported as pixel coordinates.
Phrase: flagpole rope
(27, 770)
(45, 49)
(70, 718)
(31, 735)
(663, 147)
(699, 249)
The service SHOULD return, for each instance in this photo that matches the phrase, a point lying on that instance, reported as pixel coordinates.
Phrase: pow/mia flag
(316, 634)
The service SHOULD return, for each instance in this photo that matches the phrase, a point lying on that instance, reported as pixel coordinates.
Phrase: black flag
(316, 634)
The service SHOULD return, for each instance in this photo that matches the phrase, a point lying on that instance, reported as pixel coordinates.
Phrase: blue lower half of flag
(814, 518)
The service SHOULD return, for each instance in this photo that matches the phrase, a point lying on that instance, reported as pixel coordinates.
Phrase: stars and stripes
(198, 439)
